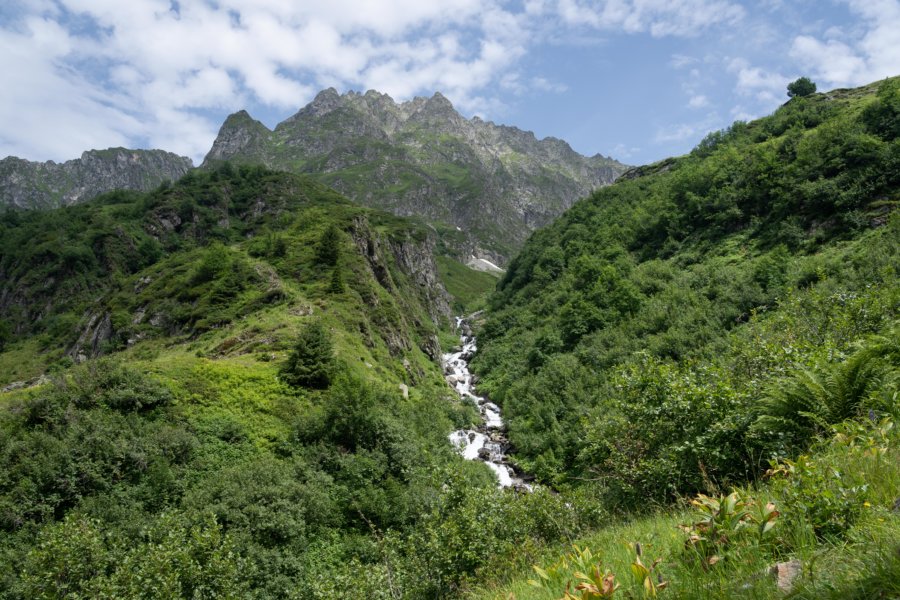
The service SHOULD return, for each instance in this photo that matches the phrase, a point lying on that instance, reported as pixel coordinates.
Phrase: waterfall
(487, 442)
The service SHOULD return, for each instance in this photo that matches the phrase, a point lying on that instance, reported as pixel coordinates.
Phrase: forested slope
(633, 342)
(240, 395)
(708, 350)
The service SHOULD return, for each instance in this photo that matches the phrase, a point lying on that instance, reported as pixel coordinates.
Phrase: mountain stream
(487, 442)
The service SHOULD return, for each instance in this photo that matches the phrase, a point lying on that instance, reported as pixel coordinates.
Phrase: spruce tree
(337, 281)
(311, 362)
(329, 249)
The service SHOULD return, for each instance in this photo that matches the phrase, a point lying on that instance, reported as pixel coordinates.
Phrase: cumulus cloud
(79, 74)
(689, 131)
(92, 73)
(872, 54)
(765, 85)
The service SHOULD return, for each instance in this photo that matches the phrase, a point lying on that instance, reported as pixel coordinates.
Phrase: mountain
(27, 184)
(487, 185)
(230, 386)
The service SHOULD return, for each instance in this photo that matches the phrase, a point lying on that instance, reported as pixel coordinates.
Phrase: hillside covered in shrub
(231, 387)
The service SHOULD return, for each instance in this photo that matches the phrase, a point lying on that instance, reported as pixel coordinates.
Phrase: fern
(806, 403)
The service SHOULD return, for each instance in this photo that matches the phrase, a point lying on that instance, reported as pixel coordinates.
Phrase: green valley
(233, 385)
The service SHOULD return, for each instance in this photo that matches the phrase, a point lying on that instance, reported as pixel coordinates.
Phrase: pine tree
(311, 362)
(329, 249)
(337, 281)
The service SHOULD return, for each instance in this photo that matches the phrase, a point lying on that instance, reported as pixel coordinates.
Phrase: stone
(786, 574)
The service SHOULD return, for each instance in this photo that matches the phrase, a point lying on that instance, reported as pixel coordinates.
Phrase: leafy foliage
(803, 86)
(671, 332)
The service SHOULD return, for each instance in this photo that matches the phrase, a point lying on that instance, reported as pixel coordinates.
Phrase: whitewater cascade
(488, 442)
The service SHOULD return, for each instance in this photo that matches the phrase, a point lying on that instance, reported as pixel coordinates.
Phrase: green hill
(230, 386)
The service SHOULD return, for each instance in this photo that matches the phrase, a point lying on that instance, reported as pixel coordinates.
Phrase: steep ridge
(26, 184)
(493, 183)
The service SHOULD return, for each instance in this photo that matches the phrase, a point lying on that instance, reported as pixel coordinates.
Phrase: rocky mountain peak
(438, 112)
(239, 133)
(492, 184)
(324, 102)
(27, 184)
(439, 103)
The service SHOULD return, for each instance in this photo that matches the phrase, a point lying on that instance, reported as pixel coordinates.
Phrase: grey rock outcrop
(26, 184)
(487, 185)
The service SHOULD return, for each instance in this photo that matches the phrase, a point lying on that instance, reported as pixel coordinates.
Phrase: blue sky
(638, 80)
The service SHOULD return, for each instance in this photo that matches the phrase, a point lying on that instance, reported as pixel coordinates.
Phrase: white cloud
(740, 113)
(624, 152)
(698, 101)
(680, 61)
(872, 54)
(675, 133)
(155, 71)
(657, 17)
(79, 74)
(40, 104)
(682, 132)
(545, 85)
(764, 85)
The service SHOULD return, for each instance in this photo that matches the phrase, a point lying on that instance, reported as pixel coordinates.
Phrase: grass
(469, 288)
(861, 561)
(22, 361)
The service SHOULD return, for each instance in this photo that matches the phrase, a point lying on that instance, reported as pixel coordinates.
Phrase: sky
(637, 80)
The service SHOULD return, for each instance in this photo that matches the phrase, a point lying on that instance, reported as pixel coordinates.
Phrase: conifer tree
(311, 362)
(337, 281)
(329, 249)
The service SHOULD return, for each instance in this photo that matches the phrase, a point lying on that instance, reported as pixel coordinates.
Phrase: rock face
(26, 184)
(414, 258)
(489, 185)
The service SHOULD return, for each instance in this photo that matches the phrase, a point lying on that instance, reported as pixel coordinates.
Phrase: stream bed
(487, 442)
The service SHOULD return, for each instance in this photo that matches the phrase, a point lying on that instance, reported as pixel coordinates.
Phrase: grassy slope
(863, 563)
(469, 288)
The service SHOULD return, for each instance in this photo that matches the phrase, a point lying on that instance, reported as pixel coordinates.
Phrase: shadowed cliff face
(492, 184)
(26, 184)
